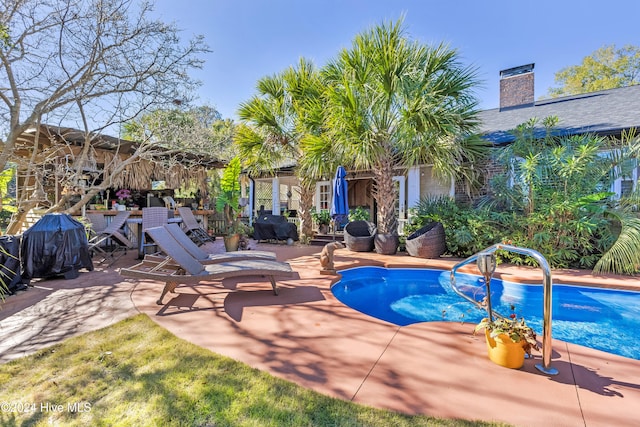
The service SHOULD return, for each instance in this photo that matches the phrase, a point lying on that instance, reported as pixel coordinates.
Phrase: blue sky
(250, 39)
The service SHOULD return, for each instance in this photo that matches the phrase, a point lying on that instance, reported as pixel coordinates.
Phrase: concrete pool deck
(306, 336)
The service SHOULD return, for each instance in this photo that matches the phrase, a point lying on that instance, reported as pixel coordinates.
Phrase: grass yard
(137, 373)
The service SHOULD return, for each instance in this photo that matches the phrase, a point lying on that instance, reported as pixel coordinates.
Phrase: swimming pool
(604, 319)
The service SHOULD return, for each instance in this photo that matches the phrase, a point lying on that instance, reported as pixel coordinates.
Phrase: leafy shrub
(556, 188)
(553, 198)
(323, 217)
(359, 214)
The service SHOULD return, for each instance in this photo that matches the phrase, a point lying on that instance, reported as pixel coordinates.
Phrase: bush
(359, 214)
(321, 218)
(551, 198)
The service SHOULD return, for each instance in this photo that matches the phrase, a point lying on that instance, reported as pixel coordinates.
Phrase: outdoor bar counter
(201, 215)
(138, 212)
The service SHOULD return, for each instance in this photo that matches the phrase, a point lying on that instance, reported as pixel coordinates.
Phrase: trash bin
(55, 245)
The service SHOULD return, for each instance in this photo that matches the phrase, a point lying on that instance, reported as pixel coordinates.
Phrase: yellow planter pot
(504, 352)
(231, 242)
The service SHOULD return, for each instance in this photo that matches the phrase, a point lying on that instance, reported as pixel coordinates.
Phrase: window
(323, 195)
(263, 195)
(626, 187)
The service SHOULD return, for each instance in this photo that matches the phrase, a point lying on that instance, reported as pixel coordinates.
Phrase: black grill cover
(10, 263)
(274, 227)
(55, 245)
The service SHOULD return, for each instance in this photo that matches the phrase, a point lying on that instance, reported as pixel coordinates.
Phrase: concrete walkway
(306, 336)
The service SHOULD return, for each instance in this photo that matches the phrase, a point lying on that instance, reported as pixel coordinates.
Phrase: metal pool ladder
(486, 264)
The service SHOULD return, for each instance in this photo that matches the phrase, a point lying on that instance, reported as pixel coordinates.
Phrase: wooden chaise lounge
(179, 267)
(213, 258)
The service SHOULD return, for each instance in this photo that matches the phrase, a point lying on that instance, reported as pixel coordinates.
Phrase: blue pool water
(604, 319)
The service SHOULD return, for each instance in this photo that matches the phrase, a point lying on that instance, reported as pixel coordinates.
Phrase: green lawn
(135, 373)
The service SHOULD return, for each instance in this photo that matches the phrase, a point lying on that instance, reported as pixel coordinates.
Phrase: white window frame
(322, 187)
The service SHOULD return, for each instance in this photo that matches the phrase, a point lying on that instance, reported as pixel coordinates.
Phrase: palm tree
(391, 102)
(275, 124)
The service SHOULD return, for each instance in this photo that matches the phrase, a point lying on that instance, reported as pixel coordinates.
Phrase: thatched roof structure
(59, 149)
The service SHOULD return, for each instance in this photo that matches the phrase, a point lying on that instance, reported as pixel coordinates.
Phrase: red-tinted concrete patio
(306, 336)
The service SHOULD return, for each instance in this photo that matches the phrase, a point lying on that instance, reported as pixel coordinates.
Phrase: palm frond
(624, 254)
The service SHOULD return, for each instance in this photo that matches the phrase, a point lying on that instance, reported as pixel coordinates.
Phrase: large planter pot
(232, 242)
(386, 244)
(504, 351)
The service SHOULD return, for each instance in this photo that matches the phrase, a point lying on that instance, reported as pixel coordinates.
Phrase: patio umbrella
(339, 201)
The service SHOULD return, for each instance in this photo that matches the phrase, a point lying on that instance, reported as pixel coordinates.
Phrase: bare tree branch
(87, 64)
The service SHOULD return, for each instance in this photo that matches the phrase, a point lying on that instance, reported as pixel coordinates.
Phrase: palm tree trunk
(385, 196)
(306, 203)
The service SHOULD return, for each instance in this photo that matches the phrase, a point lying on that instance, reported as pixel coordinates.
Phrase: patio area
(306, 336)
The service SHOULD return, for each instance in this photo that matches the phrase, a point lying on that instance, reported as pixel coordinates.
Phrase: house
(605, 113)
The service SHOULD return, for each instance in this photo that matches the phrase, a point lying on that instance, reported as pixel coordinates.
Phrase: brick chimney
(516, 87)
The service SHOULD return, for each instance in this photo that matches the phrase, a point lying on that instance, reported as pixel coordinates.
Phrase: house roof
(606, 112)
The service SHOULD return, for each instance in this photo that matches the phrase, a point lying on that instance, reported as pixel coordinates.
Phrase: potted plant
(228, 202)
(508, 339)
(123, 195)
(359, 214)
(322, 218)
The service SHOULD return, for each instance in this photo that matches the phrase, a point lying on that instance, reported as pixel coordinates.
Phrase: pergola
(69, 159)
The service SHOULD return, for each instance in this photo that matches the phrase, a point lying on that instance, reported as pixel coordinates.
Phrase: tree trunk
(18, 218)
(306, 203)
(385, 196)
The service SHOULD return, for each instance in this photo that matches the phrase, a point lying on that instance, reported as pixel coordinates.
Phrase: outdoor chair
(112, 239)
(98, 223)
(211, 258)
(152, 217)
(180, 267)
(427, 242)
(169, 202)
(192, 227)
(359, 236)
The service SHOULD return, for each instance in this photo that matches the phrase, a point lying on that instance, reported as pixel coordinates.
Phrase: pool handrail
(547, 350)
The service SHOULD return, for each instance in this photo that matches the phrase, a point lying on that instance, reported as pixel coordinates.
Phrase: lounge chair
(192, 227)
(180, 267)
(98, 223)
(151, 217)
(110, 240)
(209, 258)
